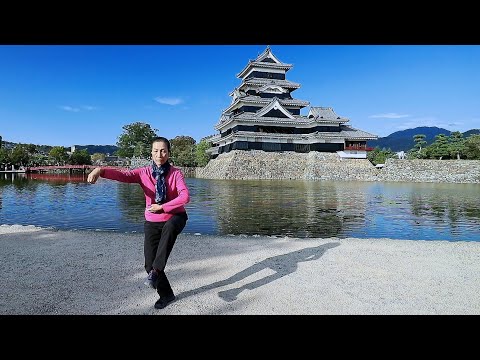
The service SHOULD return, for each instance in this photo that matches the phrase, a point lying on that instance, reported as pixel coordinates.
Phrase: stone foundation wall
(288, 165)
(448, 171)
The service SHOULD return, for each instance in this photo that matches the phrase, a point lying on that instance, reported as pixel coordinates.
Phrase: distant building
(114, 161)
(263, 115)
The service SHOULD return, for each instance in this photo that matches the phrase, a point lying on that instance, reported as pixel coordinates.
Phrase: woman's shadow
(281, 265)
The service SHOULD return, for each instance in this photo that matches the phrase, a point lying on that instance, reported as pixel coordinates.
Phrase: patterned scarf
(159, 173)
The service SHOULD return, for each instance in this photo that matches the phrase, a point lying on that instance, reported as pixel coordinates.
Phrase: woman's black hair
(162, 139)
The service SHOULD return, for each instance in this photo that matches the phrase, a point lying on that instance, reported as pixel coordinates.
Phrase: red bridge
(70, 168)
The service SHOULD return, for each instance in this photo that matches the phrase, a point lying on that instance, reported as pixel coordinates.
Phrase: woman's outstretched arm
(127, 176)
(94, 175)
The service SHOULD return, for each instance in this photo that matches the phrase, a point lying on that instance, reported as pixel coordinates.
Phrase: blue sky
(84, 95)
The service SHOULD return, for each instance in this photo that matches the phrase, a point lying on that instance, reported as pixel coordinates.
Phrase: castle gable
(274, 109)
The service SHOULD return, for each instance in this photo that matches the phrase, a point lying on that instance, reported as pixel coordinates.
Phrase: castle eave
(256, 100)
(283, 83)
(313, 137)
(264, 65)
(299, 121)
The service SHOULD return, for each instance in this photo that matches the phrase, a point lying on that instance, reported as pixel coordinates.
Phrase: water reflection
(281, 208)
(60, 178)
(297, 208)
(19, 180)
(131, 201)
(444, 206)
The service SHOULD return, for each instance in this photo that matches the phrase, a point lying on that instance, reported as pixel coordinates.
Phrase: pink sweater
(177, 191)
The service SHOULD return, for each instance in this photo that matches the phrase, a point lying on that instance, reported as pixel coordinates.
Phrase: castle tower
(263, 115)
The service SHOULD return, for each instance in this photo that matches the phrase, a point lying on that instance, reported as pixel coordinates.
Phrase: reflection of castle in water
(298, 208)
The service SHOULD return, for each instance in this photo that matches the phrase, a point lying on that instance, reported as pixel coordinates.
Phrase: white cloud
(169, 101)
(389, 116)
(75, 109)
(69, 108)
(418, 122)
(466, 124)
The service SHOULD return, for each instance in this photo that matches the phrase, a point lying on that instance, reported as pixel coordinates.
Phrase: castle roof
(346, 133)
(267, 55)
(274, 105)
(256, 100)
(265, 60)
(260, 81)
(327, 113)
(295, 120)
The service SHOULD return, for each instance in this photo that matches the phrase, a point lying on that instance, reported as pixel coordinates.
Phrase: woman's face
(160, 152)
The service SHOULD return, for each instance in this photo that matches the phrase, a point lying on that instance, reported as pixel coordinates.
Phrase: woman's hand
(155, 208)
(94, 175)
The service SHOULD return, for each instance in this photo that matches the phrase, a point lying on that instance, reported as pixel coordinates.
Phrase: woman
(166, 194)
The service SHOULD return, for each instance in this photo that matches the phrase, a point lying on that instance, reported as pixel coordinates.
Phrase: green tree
(472, 147)
(440, 148)
(201, 156)
(420, 142)
(80, 157)
(142, 150)
(133, 134)
(19, 155)
(183, 151)
(98, 157)
(457, 144)
(372, 154)
(379, 156)
(38, 160)
(4, 157)
(32, 149)
(59, 154)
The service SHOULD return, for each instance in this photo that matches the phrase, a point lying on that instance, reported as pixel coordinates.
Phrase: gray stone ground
(75, 272)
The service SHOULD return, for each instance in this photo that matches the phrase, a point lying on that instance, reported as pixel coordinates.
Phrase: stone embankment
(256, 164)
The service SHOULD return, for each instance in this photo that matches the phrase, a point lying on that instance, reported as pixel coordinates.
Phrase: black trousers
(159, 240)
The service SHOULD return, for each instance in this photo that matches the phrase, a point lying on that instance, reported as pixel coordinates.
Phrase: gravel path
(79, 272)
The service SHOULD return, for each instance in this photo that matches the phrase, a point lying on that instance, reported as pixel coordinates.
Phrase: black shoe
(164, 301)
(152, 279)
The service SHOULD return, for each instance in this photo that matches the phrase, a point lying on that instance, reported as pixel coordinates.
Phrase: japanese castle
(263, 115)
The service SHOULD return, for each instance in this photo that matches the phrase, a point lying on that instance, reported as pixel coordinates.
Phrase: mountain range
(403, 140)
(91, 149)
(103, 149)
